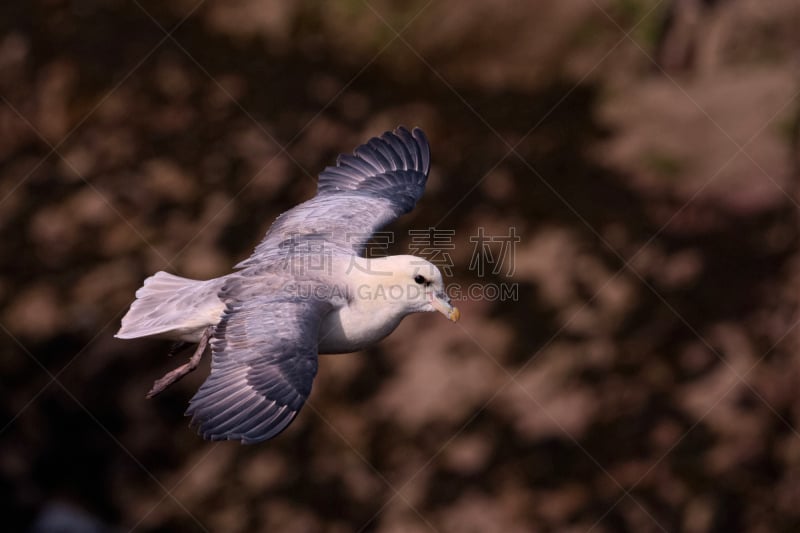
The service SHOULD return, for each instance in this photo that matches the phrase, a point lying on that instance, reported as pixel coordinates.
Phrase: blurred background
(641, 374)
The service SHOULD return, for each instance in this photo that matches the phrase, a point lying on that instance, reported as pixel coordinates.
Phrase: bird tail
(172, 307)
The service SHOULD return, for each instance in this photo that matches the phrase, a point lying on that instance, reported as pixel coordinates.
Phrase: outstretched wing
(382, 180)
(264, 359)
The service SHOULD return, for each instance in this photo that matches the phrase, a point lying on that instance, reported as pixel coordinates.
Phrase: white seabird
(306, 289)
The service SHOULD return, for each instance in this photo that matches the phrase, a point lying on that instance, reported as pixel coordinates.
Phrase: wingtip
(419, 134)
(425, 148)
(417, 137)
(416, 132)
(263, 425)
(244, 437)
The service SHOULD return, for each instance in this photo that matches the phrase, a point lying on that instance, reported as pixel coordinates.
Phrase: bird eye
(419, 279)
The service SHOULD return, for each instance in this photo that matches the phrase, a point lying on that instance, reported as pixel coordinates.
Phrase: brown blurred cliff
(643, 378)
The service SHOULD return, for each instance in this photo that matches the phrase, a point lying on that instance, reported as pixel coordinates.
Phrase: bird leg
(174, 375)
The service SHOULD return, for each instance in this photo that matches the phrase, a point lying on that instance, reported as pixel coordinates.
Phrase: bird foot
(174, 375)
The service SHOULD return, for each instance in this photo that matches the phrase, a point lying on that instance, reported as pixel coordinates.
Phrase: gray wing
(383, 179)
(264, 359)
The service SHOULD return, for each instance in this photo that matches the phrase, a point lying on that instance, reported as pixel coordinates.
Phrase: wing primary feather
(386, 149)
(233, 424)
(424, 163)
(369, 153)
(209, 414)
(360, 166)
(218, 410)
(398, 144)
(266, 429)
(411, 145)
(266, 420)
(211, 388)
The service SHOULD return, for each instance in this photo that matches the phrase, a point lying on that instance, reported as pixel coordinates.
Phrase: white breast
(352, 328)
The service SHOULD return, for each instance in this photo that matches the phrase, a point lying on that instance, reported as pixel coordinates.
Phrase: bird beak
(441, 303)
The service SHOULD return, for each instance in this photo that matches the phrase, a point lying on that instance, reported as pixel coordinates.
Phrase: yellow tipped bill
(442, 304)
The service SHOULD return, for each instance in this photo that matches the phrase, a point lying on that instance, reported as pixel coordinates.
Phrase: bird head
(411, 282)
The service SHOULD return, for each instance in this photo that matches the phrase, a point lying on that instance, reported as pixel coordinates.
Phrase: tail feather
(172, 307)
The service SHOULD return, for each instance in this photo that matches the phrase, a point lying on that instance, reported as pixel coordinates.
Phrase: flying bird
(307, 289)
